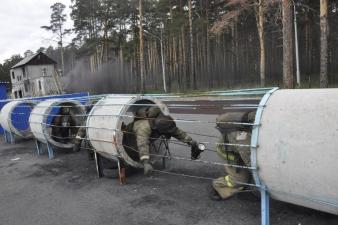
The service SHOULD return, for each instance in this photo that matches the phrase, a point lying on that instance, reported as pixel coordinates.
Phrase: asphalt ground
(65, 190)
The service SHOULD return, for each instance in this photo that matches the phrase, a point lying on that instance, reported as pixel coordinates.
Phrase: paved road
(65, 190)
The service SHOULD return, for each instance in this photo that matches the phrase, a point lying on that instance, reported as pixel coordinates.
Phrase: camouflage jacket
(144, 135)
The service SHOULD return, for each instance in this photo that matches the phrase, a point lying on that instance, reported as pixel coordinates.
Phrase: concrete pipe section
(14, 117)
(43, 116)
(105, 120)
(297, 152)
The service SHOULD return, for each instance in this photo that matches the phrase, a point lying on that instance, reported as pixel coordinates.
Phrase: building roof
(35, 59)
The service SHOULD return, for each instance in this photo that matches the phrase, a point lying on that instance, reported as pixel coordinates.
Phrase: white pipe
(110, 126)
(6, 120)
(297, 147)
(39, 116)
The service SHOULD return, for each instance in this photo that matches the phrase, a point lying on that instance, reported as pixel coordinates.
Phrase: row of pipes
(294, 142)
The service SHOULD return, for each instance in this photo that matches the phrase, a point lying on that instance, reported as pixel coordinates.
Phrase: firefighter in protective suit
(64, 126)
(227, 186)
(149, 124)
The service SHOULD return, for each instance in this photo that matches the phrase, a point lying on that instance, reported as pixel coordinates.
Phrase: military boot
(224, 189)
(147, 167)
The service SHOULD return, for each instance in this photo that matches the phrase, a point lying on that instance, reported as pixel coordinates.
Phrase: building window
(15, 94)
(23, 71)
(40, 88)
(20, 94)
(44, 72)
(13, 76)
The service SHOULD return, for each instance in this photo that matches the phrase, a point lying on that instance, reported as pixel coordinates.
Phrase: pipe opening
(56, 121)
(15, 117)
(20, 118)
(129, 143)
(63, 122)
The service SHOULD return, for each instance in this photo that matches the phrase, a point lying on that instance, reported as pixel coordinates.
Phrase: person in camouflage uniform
(227, 186)
(80, 136)
(149, 124)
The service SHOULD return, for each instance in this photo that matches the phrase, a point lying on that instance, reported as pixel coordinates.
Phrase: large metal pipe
(42, 115)
(105, 120)
(14, 117)
(297, 153)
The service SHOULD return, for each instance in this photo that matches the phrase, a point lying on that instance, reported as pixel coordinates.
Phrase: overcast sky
(20, 22)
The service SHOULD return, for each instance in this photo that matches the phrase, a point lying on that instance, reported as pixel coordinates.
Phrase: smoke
(112, 77)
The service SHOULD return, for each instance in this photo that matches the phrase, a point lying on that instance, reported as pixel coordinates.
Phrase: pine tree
(58, 18)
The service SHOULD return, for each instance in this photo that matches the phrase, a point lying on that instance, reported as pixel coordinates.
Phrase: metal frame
(167, 154)
(265, 220)
(120, 164)
(50, 151)
(265, 205)
(120, 168)
(39, 149)
(9, 137)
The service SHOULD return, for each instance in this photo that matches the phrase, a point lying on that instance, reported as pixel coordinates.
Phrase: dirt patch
(10, 152)
(146, 200)
(50, 169)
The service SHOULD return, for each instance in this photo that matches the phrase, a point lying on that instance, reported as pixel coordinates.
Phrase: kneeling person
(149, 124)
(237, 154)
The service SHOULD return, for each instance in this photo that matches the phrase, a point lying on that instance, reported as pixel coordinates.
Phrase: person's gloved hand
(147, 167)
(195, 151)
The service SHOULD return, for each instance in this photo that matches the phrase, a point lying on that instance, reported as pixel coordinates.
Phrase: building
(33, 76)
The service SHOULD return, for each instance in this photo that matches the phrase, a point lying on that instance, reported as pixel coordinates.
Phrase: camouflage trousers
(232, 183)
(80, 136)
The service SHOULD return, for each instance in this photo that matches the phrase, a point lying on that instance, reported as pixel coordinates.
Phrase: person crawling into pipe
(149, 124)
(238, 136)
(64, 126)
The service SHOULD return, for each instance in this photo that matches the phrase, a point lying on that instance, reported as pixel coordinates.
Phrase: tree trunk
(308, 41)
(62, 57)
(324, 32)
(192, 63)
(142, 85)
(287, 44)
(208, 64)
(260, 27)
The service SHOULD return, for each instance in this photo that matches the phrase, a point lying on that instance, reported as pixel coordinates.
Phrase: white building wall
(37, 71)
(41, 74)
